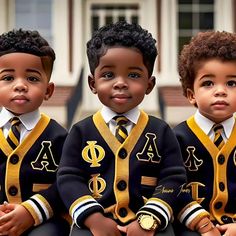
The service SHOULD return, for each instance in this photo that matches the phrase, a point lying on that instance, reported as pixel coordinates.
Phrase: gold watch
(147, 222)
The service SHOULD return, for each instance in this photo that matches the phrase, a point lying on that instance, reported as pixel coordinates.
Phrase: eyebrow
(27, 70)
(207, 75)
(212, 76)
(130, 68)
(106, 66)
(231, 76)
(7, 70)
(136, 68)
(33, 70)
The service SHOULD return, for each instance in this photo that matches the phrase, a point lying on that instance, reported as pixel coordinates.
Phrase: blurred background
(69, 24)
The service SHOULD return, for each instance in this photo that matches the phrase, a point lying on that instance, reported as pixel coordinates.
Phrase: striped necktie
(121, 132)
(13, 137)
(218, 140)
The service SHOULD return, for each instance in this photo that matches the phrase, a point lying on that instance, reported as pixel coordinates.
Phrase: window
(34, 15)
(103, 14)
(194, 16)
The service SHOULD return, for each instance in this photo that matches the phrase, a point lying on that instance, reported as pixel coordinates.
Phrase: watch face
(146, 222)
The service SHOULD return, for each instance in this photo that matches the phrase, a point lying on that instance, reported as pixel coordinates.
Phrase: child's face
(121, 79)
(23, 83)
(215, 89)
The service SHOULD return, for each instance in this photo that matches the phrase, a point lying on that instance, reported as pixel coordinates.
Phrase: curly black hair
(26, 41)
(202, 47)
(125, 35)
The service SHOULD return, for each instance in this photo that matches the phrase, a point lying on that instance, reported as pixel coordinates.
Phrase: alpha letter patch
(149, 152)
(45, 158)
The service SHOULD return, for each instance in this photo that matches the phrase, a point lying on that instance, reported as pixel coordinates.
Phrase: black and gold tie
(121, 132)
(13, 137)
(218, 140)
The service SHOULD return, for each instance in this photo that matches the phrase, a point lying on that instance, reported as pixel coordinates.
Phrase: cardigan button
(13, 190)
(14, 159)
(122, 153)
(221, 159)
(227, 219)
(123, 212)
(121, 185)
(218, 205)
(222, 186)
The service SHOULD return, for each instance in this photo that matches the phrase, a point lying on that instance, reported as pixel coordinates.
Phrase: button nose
(220, 90)
(120, 82)
(20, 85)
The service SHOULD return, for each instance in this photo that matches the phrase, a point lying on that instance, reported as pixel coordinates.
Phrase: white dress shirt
(131, 115)
(28, 122)
(206, 125)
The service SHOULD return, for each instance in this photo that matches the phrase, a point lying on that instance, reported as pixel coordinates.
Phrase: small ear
(49, 91)
(91, 83)
(191, 96)
(151, 84)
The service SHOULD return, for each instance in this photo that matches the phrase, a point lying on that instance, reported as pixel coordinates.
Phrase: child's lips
(220, 104)
(20, 99)
(120, 97)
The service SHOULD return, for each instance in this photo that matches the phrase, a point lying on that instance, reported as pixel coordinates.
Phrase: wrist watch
(147, 222)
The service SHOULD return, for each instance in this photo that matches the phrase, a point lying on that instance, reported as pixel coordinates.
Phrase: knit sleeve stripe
(80, 201)
(79, 212)
(34, 211)
(187, 221)
(190, 213)
(40, 206)
(44, 215)
(79, 208)
(44, 204)
(160, 206)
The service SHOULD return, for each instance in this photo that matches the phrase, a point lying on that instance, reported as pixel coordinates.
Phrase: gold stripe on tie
(218, 140)
(13, 137)
(121, 132)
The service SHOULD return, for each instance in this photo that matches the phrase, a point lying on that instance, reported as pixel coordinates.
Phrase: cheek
(39, 94)
(139, 88)
(103, 96)
(103, 88)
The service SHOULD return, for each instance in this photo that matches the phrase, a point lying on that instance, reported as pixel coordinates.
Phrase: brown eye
(108, 75)
(33, 79)
(8, 78)
(134, 75)
(207, 83)
(231, 83)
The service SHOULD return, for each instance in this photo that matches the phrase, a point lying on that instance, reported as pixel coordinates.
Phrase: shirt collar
(206, 124)
(108, 114)
(5, 116)
(29, 120)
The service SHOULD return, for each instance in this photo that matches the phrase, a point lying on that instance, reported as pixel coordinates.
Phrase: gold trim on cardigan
(122, 197)
(12, 177)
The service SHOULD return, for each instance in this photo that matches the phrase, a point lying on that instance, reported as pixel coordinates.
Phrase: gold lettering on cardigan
(162, 189)
(93, 153)
(45, 159)
(195, 186)
(96, 185)
(192, 162)
(150, 151)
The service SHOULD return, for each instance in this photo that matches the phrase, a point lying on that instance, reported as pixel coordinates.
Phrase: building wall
(71, 20)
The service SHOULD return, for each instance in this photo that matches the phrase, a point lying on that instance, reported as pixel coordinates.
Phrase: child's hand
(213, 232)
(227, 229)
(100, 225)
(16, 221)
(134, 229)
(4, 209)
